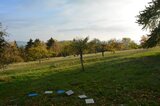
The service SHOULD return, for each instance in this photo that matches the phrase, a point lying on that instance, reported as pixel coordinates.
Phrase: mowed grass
(127, 77)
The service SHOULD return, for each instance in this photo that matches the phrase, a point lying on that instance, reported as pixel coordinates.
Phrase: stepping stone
(60, 91)
(89, 101)
(70, 92)
(48, 92)
(82, 96)
(32, 94)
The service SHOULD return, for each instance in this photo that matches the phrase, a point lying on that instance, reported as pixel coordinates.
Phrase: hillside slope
(127, 77)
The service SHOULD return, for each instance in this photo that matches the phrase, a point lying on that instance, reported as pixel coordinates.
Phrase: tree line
(36, 49)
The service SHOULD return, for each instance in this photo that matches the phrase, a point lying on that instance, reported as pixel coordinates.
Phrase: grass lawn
(127, 77)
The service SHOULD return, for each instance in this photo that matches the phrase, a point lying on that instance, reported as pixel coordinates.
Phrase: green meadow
(130, 77)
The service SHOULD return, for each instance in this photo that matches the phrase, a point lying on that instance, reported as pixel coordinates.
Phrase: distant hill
(21, 43)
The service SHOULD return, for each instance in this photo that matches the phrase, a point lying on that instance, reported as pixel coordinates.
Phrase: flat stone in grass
(32, 94)
(48, 92)
(89, 101)
(60, 91)
(82, 96)
(70, 92)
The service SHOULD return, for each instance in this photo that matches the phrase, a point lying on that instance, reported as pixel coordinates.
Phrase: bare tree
(79, 45)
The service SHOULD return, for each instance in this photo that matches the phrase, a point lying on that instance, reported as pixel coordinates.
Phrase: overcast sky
(67, 19)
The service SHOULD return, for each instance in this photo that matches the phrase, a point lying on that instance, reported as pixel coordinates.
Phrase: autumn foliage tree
(143, 41)
(65, 48)
(3, 44)
(103, 47)
(94, 46)
(53, 47)
(9, 52)
(112, 45)
(14, 52)
(37, 51)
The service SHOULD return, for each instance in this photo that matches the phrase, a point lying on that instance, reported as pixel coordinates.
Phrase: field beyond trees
(130, 77)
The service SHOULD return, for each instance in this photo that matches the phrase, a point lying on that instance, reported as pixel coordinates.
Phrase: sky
(68, 19)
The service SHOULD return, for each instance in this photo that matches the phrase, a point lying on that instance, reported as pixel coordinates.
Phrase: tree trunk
(81, 60)
(103, 53)
(95, 52)
(39, 61)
